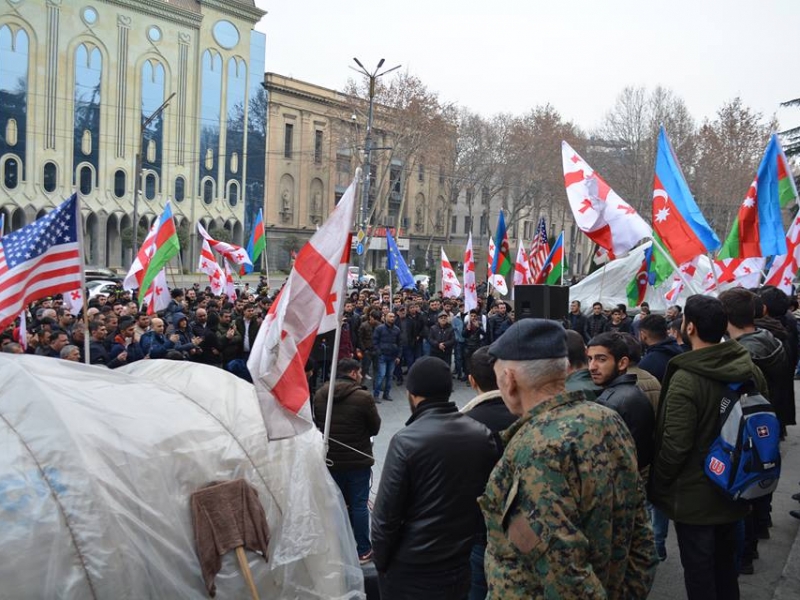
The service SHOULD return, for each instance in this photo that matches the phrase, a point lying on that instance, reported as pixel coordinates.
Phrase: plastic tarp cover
(96, 471)
(609, 285)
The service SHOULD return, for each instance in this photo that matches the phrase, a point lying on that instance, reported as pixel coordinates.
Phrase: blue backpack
(745, 460)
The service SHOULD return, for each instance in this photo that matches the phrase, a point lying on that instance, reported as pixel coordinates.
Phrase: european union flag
(395, 262)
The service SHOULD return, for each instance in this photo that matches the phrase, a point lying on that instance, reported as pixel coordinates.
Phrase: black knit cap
(430, 377)
(125, 321)
(531, 339)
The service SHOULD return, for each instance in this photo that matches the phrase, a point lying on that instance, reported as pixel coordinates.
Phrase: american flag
(41, 259)
(540, 249)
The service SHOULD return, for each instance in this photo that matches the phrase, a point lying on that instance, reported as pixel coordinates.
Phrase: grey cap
(531, 339)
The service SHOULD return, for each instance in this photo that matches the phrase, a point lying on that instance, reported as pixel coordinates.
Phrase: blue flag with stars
(395, 262)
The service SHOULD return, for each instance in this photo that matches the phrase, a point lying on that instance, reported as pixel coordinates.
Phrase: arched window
(14, 96)
(150, 186)
(86, 126)
(86, 180)
(180, 187)
(210, 114)
(49, 176)
(233, 193)
(153, 93)
(119, 183)
(208, 191)
(11, 173)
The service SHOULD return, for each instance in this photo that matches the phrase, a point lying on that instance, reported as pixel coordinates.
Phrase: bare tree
(624, 148)
(729, 151)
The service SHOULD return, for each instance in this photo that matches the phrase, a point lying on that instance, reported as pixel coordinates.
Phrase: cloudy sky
(511, 55)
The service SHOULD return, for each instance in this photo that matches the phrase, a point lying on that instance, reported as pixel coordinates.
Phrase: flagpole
(334, 366)
(672, 263)
(79, 227)
(563, 257)
(390, 290)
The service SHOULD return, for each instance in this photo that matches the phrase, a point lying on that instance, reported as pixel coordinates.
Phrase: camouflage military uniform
(564, 507)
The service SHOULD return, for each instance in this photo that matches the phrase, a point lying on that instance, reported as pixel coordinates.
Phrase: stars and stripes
(41, 259)
(540, 248)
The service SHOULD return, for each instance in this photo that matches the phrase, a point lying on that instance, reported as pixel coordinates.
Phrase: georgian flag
(278, 358)
(785, 266)
(740, 272)
(230, 287)
(522, 268)
(470, 290)
(451, 288)
(208, 264)
(73, 301)
(232, 252)
(158, 297)
(688, 269)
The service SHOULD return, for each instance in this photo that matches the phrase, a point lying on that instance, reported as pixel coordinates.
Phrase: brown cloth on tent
(226, 515)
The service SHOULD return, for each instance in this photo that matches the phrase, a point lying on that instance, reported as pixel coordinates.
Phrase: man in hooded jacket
(354, 420)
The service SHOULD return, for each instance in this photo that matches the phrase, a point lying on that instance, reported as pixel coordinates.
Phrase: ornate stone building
(78, 81)
(315, 144)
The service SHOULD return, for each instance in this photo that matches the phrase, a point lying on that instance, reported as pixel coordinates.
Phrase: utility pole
(362, 220)
(137, 180)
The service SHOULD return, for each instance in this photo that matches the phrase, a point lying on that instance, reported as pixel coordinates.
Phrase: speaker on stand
(541, 302)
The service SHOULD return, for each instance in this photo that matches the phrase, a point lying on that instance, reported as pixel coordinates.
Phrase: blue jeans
(354, 484)
(660, 527)
(479, 588)
(383, 376)
(458, 354)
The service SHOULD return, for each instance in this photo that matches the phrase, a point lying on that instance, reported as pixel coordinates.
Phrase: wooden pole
(248, 576)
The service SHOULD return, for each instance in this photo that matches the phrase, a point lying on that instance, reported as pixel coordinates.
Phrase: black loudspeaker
(541, 302)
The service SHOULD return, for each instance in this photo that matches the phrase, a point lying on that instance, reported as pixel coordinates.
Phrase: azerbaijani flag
(637, 288)
(501, 265)
(165, 247)
(758, 228)
(256, 245)
(677, 219)
(555, 266)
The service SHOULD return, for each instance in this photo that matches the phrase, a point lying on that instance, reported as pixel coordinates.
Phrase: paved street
(769, 580)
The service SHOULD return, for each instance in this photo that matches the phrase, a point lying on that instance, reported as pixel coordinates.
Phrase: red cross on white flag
(470, 291)
(451, 285)
(285, 339)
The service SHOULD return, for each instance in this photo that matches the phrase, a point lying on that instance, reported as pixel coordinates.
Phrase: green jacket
(581, 380)
(687, 424)
(564, 507)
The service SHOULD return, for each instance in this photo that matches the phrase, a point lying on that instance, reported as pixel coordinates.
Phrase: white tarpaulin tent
(96, 470)
(609, 285)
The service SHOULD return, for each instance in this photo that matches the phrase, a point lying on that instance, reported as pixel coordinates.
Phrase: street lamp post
(368, 150)
(137, 182)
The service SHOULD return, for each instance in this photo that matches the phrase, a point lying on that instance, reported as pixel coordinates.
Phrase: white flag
(278, 359)
(470, 291)
(451, 288)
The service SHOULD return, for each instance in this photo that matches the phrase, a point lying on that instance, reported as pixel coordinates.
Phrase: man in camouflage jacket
(564, 507)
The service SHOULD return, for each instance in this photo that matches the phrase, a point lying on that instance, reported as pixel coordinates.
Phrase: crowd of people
(584, 440)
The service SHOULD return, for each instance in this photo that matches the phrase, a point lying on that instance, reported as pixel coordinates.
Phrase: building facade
(79, 82)
(315, 143)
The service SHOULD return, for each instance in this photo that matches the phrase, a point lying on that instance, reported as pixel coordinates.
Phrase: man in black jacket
(595, 322)
(487, 408)
(608, 363)
(425, 515)
(660, 347)
(576, 320)
(354, 419)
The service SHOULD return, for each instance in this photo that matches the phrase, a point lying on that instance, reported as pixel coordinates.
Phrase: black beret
(430, 377)
(531, 339)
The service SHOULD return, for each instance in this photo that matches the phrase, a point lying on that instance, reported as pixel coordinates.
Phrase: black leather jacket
(629, 401)
(426, 513)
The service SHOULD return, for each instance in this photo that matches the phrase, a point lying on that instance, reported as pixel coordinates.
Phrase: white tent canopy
(609, 285)
(96, 470)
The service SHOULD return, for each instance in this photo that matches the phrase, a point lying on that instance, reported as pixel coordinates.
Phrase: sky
(512, 55)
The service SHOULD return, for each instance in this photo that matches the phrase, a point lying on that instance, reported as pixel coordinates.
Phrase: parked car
(101, 286)
(367, 279)
(101, 274)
